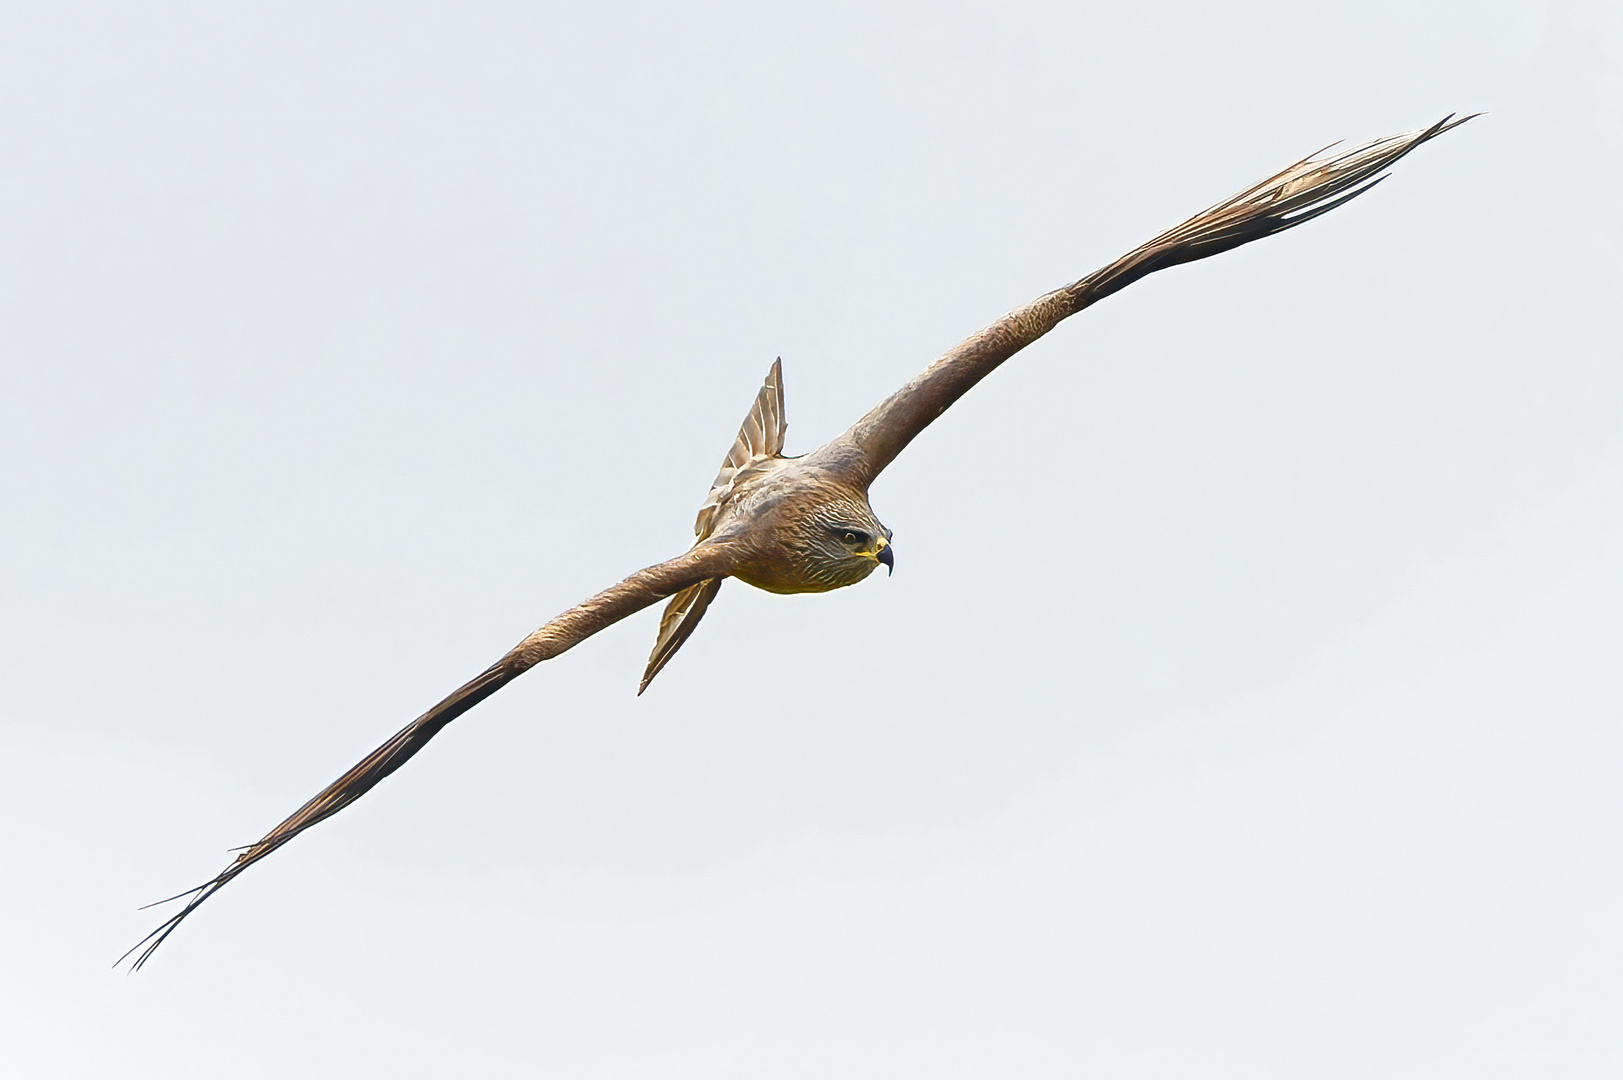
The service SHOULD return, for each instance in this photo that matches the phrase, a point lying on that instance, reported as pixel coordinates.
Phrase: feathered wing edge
(337, 795)
(702, 563)
(1313, 186)
(1310, 187)
(760, 437)
(677, 624)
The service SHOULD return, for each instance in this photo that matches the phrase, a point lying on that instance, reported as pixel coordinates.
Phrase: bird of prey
(803, 524)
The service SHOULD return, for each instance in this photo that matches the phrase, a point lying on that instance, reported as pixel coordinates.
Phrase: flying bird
(803, 524)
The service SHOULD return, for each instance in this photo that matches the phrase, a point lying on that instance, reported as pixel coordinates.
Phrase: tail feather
(681, 616)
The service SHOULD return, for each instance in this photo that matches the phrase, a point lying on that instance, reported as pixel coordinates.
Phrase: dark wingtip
(337, 795)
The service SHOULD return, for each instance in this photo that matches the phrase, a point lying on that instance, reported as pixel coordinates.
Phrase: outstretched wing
(760, 437)
(1312, 186)
(702, 563)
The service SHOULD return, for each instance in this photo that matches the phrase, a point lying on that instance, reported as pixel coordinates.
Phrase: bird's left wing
(1313, 186)
(759, 438)
(645, 587)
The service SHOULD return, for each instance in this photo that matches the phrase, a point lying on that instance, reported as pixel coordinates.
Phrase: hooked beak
(884, 555)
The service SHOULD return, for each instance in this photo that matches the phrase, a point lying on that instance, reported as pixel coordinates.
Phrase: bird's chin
(836, 576)
(787, 584)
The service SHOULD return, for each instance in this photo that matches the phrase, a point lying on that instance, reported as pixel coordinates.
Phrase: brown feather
(759, 438)
(1310, 187)
(677, 624)
(702, 563)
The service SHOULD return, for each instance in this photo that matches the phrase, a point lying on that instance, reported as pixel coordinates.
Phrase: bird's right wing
(1313, 186)
(760, 437)
(702, 563)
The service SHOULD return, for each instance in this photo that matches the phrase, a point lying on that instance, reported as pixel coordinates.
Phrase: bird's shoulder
(743, 493)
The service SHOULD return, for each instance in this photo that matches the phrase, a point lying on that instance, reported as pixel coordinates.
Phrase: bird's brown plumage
(804, 524)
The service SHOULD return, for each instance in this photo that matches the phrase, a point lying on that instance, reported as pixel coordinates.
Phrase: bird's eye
(854, 538)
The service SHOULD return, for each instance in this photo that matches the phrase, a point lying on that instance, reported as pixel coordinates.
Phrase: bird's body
(804, 529)
(803, 524)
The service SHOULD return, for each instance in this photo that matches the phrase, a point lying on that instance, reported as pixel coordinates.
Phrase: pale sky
(1245, 702)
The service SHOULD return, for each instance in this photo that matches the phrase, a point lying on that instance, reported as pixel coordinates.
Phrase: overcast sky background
(1245, 702)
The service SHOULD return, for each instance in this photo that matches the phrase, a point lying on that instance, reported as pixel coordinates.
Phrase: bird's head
(825, 537)
(850, 540)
